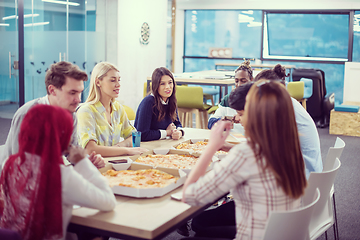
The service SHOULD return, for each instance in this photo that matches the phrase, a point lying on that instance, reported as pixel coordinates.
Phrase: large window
(306, 36)
(205, 29)
(356, 42)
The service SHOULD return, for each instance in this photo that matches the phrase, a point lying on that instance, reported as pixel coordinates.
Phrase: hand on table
(97, 160)
(126, 143)
(76, 154)
(170, 129)
(136, 150)
(176, 134)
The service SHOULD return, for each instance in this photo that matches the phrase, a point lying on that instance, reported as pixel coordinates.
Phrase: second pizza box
(199, 146)
(176, 154)
(148, 192)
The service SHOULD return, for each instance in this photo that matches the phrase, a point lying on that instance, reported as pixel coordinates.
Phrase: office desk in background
(233, 66)
(206, 78)
(141, 218)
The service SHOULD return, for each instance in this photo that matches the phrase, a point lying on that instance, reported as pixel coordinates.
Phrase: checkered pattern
(255, 191)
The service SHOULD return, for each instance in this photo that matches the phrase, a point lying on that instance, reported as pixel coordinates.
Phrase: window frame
(265, 56)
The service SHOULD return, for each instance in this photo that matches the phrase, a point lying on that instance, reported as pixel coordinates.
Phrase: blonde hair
(99, 72)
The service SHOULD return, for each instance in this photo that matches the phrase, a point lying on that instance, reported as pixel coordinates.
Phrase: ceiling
(270, 4)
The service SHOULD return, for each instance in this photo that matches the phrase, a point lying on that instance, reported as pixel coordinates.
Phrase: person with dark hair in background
(308, 134)
(243, 74)
(221, 220)
(156, 116)
(37, 192)
(64, 83)
(261, 174)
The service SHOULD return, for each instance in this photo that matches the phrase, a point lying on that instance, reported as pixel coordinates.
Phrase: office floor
(346, 183)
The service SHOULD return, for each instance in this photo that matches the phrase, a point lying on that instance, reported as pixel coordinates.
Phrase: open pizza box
(217, 156)
(165, 151)
(148, 192)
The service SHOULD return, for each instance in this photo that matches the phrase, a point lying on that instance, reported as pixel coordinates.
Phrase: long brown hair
(155, 83)
(272, 133)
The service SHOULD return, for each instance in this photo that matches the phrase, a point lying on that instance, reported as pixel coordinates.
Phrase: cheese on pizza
(146, 178)
(196, 147)
(169, 161)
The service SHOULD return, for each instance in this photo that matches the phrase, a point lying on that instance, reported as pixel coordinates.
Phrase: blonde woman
(102, 120)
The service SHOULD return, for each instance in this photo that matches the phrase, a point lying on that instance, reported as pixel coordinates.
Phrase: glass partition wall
(9, 75)
(72, 30)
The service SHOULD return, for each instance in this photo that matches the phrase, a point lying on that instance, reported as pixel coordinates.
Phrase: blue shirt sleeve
(212, 121)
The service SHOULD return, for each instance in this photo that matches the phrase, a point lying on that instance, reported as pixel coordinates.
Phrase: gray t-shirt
(12, 144)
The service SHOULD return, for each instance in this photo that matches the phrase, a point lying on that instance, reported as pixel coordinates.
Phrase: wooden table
(207, 78)
(252, 65)
(235, 65)
(135, 218)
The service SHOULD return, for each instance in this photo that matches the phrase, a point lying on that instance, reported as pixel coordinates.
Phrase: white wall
(351, 82)
(136, 61)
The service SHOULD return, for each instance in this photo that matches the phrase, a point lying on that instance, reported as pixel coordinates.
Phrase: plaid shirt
(255, 191)
(93, 125)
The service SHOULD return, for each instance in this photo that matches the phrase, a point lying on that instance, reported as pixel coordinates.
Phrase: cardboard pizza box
(165, 151)
(218, 156)
(148, 192)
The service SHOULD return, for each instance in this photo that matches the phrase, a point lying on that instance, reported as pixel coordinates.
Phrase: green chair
(129, 112)
(189, 102)
(296, 90)
(145, 89)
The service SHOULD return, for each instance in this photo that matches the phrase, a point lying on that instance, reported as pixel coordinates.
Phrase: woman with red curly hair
(36, 190)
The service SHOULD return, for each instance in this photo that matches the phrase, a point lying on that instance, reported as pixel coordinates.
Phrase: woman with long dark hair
(156, 116)
(264, 174)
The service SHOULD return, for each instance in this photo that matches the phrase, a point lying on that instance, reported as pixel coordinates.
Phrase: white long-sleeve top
(83, 185)
(227, 111)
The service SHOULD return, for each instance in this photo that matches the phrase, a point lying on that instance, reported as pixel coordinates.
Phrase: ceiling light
(25, 16)
(4, 24)
(248, 12)
(36, 24)
(62, 2)
(254, 24)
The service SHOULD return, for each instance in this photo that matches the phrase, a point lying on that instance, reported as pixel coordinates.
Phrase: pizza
(196, 147)
(145, 178)
(169, 160)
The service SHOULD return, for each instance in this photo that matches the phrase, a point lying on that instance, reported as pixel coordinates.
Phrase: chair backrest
(333, 153)
(129, 112)
(145, 89)
(293, 224)
(314, 105)
(189, 97)
(323, 214)
(308, 87)
(296, 89)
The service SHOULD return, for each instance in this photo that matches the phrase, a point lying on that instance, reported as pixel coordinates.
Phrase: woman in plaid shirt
(264, 174)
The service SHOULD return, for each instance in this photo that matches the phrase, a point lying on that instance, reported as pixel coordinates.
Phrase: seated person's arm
(109, 151)
(143, 121)
(179, 132)
(219, 113)
(88, 138)
(84, 185)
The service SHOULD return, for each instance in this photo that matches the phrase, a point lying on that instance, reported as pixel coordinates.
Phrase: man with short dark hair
(64, 83)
